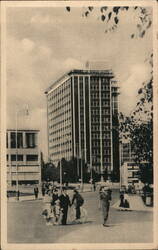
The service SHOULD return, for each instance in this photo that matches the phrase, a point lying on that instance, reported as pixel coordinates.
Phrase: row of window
(58, 91)
(59, 120)
(97, 128)
(103, 87)
(103, 95)
(65, 124)
(58, 146)
(58, 106)
(62, 100)
(17, 140)
(61, 152)
(21, 157)
(96, 103)
(60, 129)
(65, 114)
(54, 96)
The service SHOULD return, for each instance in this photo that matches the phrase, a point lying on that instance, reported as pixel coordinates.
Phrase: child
(58, 212)
(47, 210)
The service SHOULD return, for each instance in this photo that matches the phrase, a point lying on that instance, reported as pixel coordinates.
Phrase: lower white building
(129, 174)
(23, 157)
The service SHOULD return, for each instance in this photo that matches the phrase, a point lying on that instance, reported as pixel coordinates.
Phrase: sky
(44, 43)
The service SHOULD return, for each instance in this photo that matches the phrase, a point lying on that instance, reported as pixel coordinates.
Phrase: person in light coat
(105, 198)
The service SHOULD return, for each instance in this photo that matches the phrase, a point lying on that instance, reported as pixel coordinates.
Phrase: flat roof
(83, 72)
(24, 130)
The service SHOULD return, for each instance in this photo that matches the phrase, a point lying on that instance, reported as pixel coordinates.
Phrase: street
(26, 225)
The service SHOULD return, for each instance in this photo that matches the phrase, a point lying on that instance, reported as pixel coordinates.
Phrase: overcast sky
(44, 43)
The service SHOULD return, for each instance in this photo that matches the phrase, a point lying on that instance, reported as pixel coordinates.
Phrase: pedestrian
(64, 203)
(126, 201)
(47, 210)
(105, 204)
(55, 196)
(18, 195)
(121, 200)
(43, 190)
(36, 192)
(58, 212)
(78, 201)
(94, 185)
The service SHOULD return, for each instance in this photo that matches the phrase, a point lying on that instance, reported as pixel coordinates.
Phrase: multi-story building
(82, 111)
(126, 152)
(23, 157)
(129, 173)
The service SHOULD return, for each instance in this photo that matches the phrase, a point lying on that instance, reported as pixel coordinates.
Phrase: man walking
(36, 192)
(78, 199)
(105, 198)
(64, 203)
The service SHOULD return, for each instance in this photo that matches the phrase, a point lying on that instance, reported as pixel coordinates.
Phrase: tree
(111, 17)
(50, 172)
(138, 126)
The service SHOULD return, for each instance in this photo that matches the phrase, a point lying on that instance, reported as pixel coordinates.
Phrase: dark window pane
(13, 140)
(13, 157)
(30, 140)
(19, 157)
(19, 140)
(7, 139)
(32, 157)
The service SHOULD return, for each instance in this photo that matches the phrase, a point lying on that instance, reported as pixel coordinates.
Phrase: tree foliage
(138, 128)
(111, 15)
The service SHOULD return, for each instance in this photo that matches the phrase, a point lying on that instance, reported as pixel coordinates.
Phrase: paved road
(26, 225)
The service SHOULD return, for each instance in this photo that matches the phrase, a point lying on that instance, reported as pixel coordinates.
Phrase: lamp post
(16, 147)
(60, 164)
(26, 112)
(82, 153)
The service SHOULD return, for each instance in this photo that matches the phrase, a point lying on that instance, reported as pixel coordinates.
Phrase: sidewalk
(40, 197)
(136, 204)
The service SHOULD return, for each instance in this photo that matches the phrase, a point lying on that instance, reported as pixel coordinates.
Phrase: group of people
(56, 206)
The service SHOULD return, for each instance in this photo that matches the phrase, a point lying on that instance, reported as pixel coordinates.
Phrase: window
(19, 157)
(31, 157)
(30, 140)
(13, 140)
(16, 136)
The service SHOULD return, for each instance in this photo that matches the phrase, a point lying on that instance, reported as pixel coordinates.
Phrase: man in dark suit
(64, 203)
(36, 191)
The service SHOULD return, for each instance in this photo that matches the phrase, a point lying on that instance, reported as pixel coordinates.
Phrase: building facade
(129, 173)
(23, 157)
(82, 108)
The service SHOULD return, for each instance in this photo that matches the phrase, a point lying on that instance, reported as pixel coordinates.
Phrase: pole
(77, 158)
(16, 145)
(101, 146)
(60, 164)
(120, 165)
(82, 172)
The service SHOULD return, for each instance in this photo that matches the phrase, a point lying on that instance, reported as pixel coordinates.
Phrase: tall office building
(82, 109)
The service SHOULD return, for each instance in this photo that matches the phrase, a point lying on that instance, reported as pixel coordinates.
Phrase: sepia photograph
(79, 125)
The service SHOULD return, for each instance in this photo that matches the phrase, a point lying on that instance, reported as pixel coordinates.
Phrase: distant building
(126, 152)
(22, 145)
(83, 119)
(129, 173)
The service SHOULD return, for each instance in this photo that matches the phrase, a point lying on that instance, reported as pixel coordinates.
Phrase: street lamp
(16, 146)
(26, 112)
